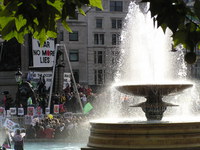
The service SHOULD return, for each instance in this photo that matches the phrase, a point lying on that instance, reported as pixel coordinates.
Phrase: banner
(13, 111)
(35, 77)
(9, 124)
(43, 56)
(56, 109)
(30, 111)
(20, 111)
(87, 108)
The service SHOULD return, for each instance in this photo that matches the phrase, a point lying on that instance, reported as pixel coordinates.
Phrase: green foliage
(183, 20)
(38, 17)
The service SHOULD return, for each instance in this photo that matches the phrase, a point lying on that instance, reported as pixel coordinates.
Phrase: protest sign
(20, 111)
(2, 111)
(56, 109)
(30, 111)
(47, 111)
(9, 124)
(43, 56)
(13, 110)
(28, 119)
(8, 113)
(39, 110)
(87, 108)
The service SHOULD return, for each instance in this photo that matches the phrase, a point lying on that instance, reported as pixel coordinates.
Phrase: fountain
(147, 69)
(154, 107)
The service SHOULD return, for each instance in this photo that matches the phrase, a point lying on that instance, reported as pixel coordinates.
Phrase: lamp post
(18, 76)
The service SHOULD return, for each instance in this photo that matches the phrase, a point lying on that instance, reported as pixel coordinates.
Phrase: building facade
(92, 49)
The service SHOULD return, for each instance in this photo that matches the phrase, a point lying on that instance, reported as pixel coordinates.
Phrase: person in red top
(40, 132)
(88, 91)
(49, 132)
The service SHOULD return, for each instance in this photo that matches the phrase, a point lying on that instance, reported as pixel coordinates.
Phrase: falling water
(146, 56)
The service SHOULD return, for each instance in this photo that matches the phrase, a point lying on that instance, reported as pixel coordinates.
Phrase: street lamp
(18, 76)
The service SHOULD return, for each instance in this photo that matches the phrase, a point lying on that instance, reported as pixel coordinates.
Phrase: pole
(53, 74)
(73, 79)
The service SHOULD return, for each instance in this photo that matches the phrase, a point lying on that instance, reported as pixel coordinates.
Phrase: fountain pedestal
(146, 135)
(154, 107)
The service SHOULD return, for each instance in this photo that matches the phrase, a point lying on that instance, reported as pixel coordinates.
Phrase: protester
(18, 140)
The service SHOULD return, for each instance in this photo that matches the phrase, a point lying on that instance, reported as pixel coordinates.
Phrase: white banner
(43, 56)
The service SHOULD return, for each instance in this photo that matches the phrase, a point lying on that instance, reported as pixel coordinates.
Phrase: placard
(20, 111)
(9, 124)
(8, 113)
(39, 110)
(56, 109)
(47, 110)
(2, 111)
(28, 119)
(43, 56)
(13, 110)
(30, 111)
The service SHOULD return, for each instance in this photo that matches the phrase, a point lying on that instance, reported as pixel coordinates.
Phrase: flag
(87, 108)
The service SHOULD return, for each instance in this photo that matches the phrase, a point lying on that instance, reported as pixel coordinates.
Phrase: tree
(38, 17)
(183, 20)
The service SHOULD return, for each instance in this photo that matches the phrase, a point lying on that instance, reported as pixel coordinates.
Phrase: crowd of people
(68, 99)
(57, 127)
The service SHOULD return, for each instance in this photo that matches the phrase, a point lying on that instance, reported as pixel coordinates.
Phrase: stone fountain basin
(155, 89)
(145, 136)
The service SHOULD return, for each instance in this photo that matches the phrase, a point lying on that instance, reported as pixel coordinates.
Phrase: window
(99, 76)
(73, 55)
(99, 57)
(73, 36)
(115, 39)
(98, 23)
(98, 39)
(115, 57)
(116, 6)
(116, 23)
